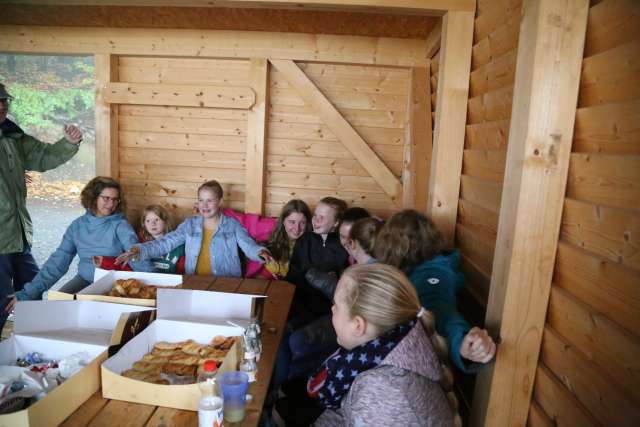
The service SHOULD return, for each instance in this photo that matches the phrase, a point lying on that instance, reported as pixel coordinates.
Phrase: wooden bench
(98, 411)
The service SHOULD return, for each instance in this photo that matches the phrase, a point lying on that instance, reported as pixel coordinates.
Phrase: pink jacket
(260, 229)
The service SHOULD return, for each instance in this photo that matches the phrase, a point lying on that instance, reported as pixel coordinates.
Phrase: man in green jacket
(20, 152)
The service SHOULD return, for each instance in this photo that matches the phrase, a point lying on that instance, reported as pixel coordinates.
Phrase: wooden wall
(166, 152)
(589, 369)
(495, 42)
(305, 159)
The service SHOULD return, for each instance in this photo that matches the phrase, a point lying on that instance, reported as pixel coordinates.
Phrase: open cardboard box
(105, 279)
(57, 329)
(182, 314)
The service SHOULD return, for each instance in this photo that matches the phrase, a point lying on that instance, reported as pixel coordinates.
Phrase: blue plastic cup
(234, 390)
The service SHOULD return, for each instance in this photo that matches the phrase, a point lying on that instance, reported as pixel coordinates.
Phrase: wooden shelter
(515, 124)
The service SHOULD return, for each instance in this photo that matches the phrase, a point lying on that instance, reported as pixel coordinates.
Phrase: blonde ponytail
(383, 295)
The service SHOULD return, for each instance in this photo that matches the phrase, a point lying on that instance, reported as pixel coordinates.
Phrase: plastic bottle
(249, 366)
(207, 378)
(210, 406)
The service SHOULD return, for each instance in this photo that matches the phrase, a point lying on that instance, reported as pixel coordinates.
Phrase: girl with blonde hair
(155, 222)
(389, 369)
(212, 240)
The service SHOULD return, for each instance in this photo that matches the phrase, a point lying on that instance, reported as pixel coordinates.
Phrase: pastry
(134, 375)
(193, 348)
(147, 292)
(142, 366)
(164, 353)
(228, 343)
(152, 358)
(184, 359)
(164, 345)
(178, 369)
(218, 340)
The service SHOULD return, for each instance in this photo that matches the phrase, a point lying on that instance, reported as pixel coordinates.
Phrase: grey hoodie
(402, 391)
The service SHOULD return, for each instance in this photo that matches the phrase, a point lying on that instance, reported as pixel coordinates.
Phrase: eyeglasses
(115, 200)
(5, 101)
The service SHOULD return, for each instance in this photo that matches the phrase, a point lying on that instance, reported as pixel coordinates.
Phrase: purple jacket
(402, 391)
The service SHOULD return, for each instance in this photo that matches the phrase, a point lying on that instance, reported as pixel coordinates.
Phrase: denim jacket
(225, 260)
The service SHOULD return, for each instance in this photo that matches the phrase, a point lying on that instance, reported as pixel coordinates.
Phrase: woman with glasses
(102, 230)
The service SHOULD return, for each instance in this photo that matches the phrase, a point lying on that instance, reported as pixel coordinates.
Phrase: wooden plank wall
(305, 160)
(166, 152)
(589, 369)
(493, 61)
(435, 66)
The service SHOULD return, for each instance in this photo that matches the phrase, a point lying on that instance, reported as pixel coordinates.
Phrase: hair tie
(421, 312)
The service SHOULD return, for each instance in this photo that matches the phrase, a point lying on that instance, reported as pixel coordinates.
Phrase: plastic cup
(234, 389)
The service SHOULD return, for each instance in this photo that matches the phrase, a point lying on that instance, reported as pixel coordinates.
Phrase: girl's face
(154, 225)
(208, 203)
(295, 224)
(324, 219)
(345, 325)
(107, 202)
(345, 240)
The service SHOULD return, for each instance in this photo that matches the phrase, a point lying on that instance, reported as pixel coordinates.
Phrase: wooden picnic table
(98, 411)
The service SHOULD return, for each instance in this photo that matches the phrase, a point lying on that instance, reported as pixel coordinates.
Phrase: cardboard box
(57, 329)
(103, 283)
(181, 315)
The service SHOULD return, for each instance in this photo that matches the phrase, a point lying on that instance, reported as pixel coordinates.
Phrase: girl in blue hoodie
(102, 230)
(411, 242)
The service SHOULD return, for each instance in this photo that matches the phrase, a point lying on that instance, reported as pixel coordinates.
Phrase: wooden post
(106, 67)
(550, 48)
(256, 131)
(450, 120)
(418, 144)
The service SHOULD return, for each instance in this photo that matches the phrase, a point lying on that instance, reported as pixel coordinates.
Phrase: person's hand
(127, 256)
(478, 346)
(11, 304)
(72, 134)
(97, 260)
(266, 256)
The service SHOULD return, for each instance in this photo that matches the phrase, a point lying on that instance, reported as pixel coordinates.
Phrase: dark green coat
(20, 152)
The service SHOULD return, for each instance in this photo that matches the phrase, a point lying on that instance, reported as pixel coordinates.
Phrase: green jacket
(20, 152)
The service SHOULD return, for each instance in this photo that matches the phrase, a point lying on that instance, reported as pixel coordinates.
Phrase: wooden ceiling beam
(418, 7)
(214, 44)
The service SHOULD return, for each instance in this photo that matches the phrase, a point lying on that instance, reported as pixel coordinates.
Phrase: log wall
(495, 42)
(165, 152)
(305, 159)
(589, 369)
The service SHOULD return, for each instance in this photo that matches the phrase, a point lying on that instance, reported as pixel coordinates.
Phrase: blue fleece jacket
(87, 236)
(223, 250)
(437, 282)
